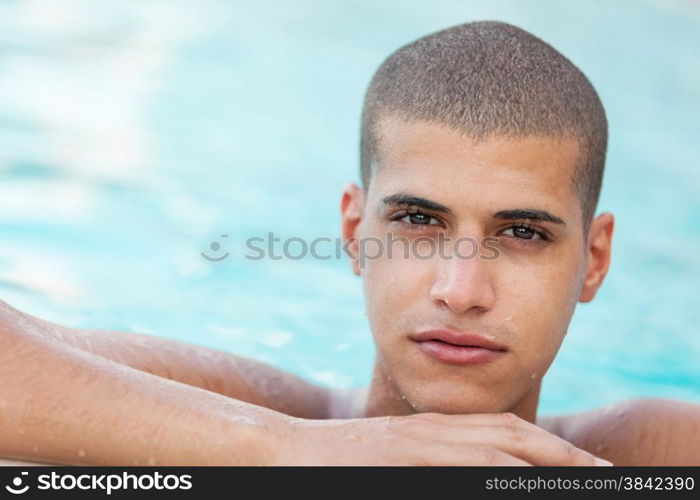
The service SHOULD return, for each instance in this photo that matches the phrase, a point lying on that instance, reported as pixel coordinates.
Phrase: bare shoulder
(648, 431)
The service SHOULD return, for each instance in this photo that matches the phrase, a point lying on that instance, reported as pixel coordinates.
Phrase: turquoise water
(134, 134)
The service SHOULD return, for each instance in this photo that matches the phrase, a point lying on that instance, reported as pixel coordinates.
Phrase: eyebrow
(402, 199)
(528, 214)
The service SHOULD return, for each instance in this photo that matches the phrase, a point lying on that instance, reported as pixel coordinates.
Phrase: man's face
(522, 299)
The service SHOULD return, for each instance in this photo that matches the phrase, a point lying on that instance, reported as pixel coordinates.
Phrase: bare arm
(217, 371)
(82, 397)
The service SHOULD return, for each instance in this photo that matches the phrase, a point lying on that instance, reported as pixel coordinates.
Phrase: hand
(426, 439)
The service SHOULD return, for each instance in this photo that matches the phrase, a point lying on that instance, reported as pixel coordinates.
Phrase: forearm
(217, 371)
(60, 404)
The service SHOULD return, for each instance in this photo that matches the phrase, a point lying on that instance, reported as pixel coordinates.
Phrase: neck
(383, 399)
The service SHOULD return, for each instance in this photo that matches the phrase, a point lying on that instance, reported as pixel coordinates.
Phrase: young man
(479, 133)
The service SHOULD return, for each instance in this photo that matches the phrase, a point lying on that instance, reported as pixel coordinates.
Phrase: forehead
(433, 160)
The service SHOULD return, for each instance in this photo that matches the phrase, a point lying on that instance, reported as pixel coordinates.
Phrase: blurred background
(134, 134)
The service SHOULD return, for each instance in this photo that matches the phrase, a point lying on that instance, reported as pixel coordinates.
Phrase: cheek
(394, 290)
(541, 301)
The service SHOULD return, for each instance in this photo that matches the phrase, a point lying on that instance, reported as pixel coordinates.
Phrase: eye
(415, 220)
(527, 233)
(419, 219)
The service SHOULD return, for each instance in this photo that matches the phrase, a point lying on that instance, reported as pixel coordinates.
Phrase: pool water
(133, 135)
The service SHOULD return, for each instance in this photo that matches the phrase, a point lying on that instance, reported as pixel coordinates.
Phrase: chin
(456, 399)
(454, 407)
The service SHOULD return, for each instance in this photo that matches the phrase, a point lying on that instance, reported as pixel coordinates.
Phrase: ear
(598, 258)
(351, 204)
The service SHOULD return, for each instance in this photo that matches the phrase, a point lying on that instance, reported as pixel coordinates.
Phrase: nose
(464, 284)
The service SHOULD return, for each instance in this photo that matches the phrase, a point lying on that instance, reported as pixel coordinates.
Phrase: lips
(458, 348)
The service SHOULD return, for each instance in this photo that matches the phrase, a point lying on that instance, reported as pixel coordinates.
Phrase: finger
(470, 455)
(525, 437)
(490, 456)
(535, 446)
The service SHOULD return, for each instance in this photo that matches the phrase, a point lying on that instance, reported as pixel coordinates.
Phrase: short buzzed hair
(486, 79)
